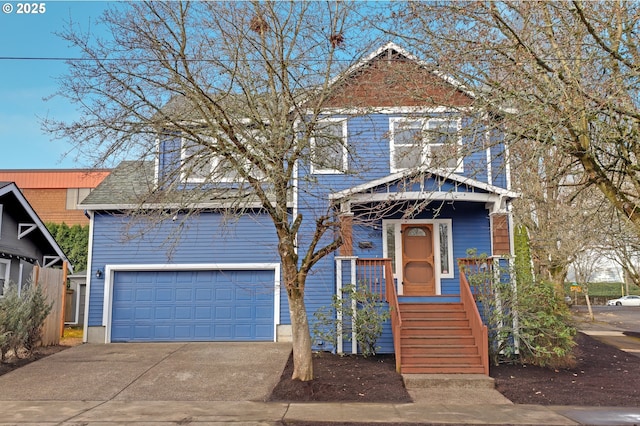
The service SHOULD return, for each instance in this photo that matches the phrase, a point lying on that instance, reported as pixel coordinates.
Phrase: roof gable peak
(391, 76)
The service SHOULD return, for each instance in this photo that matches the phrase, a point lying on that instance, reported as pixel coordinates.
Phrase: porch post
(500, 235)
(346, 230)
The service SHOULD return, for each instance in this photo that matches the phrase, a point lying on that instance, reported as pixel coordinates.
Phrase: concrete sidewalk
(99, 413)
(226, 383)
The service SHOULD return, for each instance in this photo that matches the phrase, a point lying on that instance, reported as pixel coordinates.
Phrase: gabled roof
(475, 190)
(393, 47)
(391, 76)
(27, 215)
(125, 185)
(131, 185)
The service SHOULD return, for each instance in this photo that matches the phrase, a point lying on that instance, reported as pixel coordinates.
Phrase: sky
(25, 83)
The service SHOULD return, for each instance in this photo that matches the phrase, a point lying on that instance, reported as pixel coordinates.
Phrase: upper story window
(199, 163)
(416, 142)
(329, 147)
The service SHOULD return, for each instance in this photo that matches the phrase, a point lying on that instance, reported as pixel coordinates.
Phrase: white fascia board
(423, 170)
(85, 326)
(354, 111)
(176, 206)
(109, 271)
(427, 196)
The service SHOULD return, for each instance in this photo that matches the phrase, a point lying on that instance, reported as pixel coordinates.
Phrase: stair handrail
(394, 310)
(478, 328)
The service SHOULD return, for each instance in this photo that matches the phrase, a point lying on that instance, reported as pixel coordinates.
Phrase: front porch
(431, 334)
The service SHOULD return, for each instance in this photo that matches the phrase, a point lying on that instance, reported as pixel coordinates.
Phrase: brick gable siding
(51, 206)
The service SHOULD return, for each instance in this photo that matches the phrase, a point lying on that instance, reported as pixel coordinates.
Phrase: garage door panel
(164, 295)
(186, 306)
(183, 294)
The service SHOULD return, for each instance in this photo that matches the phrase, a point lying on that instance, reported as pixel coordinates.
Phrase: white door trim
(436, 248)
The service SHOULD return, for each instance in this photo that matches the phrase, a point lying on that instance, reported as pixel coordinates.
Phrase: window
(5, 268)
(329, 147)
(199, 164)
(434, 142)
(446, 255)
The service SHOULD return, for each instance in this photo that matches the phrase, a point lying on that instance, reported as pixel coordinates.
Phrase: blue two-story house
(418, 177)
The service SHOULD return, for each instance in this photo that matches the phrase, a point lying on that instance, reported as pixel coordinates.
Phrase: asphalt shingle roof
(128, 184)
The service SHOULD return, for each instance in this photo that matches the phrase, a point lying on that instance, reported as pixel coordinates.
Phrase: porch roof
(461, 188)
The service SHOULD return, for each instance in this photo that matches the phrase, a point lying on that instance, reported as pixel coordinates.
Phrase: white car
(625, 301)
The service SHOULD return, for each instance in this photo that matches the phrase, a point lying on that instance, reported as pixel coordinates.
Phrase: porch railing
(378, 275)
(479, 330)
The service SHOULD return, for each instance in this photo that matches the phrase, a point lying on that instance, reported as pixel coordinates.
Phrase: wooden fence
(53, 284)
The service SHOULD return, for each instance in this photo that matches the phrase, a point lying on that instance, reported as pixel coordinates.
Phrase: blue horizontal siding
(202, 238)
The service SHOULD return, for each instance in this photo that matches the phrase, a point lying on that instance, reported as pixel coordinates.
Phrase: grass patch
(73, 332)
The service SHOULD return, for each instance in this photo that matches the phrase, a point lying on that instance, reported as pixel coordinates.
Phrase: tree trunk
(586, 297)
(302, 359)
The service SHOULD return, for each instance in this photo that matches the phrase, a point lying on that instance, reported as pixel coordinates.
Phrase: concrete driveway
(151, 372)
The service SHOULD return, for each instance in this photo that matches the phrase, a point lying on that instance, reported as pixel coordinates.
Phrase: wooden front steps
(436, 339)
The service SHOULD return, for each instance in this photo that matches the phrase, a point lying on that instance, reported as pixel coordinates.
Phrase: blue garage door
(192, 306)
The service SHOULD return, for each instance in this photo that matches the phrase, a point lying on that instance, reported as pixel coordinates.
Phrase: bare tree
(559, 212)
(584, 265)
(621, 245)
(242, 84)
(563, 74)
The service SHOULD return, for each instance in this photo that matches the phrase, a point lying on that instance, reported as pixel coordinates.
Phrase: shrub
(367, 323)
(544, 331)
(37, 310)
(21, 319)
(527, 320)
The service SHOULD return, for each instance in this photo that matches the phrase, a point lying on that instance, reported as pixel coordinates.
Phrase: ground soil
(344, 378)
(11, 361)
(603, 376)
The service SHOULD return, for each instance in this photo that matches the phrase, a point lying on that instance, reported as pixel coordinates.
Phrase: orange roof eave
(54, 179)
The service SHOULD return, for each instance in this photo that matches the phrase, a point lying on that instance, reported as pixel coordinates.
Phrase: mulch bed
(12, 362)
(346, 378)
(603, 376)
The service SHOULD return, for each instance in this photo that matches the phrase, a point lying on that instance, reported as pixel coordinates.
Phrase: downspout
(512, 273)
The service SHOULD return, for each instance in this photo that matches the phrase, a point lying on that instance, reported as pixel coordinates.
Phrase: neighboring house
(76, 299)
(221, 280)
(24, 240)
(55, 194)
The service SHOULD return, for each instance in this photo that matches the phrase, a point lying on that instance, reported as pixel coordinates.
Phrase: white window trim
(436, 248)
(214, 163)
(426, 148)
(345, 151)
(183, 159)
(7, 273)
(110, 270)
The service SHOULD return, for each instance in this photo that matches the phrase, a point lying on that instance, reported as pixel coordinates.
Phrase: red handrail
(376, 272)
(479, 330)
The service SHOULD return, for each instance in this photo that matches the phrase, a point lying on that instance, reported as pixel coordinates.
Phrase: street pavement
(227, 383)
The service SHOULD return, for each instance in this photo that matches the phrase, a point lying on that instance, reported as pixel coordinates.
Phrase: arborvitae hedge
(74, 241)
